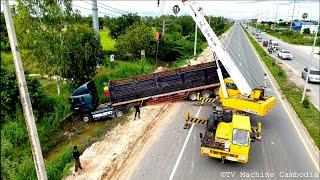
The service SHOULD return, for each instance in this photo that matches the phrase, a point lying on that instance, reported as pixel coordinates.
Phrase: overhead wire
(99, 6)
(91, 10)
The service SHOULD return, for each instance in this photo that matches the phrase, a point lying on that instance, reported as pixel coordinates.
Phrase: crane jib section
(219, 53)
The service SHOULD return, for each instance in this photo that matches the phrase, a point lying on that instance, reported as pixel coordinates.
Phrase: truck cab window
(240, 137)
(231, 86)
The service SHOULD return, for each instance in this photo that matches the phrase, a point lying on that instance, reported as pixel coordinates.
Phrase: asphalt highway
(175, 154)
(297, 64)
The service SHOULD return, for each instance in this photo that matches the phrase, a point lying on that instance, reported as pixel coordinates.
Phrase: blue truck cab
(84, 100)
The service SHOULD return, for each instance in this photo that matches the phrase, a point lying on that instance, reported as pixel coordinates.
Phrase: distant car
(285, 54)
(259, 39)
(265, 43)
(274, 45)
(314, 75)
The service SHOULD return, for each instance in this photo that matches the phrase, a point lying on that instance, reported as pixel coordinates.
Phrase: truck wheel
(193, 96)
(206, 93)
(118, 113)
(86, 118)
(129, 108)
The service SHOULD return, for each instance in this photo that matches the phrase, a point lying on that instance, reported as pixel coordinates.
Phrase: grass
(291, 37)
(309, 116)
(107, 42)
(59, 160)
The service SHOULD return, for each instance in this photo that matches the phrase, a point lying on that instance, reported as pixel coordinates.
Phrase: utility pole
(163, 27)
(195, 39)
(95, 19)
(25, 99)
(294, 6)
(275, 19)
(309, 64)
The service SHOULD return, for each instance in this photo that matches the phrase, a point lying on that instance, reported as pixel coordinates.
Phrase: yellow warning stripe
(202, 99)
(194, 120)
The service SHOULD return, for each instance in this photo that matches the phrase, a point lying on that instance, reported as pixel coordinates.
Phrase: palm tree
(304, 16)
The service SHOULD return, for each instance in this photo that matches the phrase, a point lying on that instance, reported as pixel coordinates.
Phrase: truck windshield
(240, 137)
(275, 44)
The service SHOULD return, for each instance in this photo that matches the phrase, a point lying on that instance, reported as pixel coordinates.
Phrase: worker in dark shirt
(137, 108)
(76, 157)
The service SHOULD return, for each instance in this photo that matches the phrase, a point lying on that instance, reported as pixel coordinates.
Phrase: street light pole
(311, 55)
(294, 6)
(24, 95)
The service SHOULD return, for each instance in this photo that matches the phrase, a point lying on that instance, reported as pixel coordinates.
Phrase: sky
(240, 9)
(263, 10)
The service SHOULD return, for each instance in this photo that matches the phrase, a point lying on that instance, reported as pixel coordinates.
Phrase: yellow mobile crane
(229, 131)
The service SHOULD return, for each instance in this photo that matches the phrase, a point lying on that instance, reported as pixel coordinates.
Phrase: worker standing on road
(137, 108)
(76, 157)
(264, 83)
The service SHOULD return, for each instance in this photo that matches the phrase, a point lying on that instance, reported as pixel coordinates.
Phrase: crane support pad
(202, 99)
(190, 119)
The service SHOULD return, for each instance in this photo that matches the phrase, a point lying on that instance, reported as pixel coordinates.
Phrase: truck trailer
(171, 85)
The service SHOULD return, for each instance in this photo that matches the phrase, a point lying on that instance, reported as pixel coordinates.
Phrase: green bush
(306, 31)
(305, 103)
(10, 93)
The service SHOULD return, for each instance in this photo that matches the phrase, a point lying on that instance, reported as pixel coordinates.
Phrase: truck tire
(129, 108)
(210, 123)
(206, 93)
(118, 113)
(86, 118)
(193, 96)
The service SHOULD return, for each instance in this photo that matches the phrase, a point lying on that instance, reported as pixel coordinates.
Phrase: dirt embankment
(108, 159)
(104, 158)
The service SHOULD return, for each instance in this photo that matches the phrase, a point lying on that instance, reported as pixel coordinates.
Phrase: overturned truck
(172, 85)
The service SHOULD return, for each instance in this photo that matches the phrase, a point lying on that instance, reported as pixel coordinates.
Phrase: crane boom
(219, 53)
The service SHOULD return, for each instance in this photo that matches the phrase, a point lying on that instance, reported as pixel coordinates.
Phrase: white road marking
(183, 148)
(286, 109)
(229, 38)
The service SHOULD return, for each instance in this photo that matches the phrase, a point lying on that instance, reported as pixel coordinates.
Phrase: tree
(119, 25)
(50, 30)
(306, 31)
(9, 96)
(137, 37)
(5, 45)
(304, 16)
(81, 53)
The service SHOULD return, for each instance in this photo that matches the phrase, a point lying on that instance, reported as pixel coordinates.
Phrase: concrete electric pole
(163, 27)
(25, 99)
(95, 19)
(294, 6)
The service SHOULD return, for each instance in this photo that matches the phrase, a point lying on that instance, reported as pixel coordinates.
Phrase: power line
(91, 9)
(115, 11)
(126, 12)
